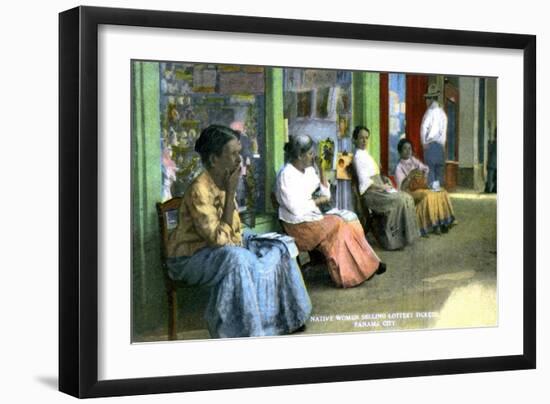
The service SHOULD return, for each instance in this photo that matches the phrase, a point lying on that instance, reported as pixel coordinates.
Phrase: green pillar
(366, 107)
(274, 129)
(146, 192)
(359, 99)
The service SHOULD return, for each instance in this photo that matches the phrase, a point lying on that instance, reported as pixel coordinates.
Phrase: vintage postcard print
(271, 201)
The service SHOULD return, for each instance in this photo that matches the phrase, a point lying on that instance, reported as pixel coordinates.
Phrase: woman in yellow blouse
(256, 286)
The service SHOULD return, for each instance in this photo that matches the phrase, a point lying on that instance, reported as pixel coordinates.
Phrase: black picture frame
(78, 196)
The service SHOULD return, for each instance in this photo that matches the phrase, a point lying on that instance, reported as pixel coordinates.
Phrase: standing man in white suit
(433, 135)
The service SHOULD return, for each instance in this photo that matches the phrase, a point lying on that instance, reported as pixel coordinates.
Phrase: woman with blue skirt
(256, 286)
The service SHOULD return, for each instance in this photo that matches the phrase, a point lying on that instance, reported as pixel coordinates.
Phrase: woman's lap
(209, 265)
(309, 235)
(254, 292)
(350, 259)
(382, 202)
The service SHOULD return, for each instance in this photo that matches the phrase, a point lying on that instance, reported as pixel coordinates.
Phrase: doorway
(451, 105)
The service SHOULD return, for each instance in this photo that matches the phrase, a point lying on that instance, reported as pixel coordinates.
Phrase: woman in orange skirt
(434, 210)
(300, 192)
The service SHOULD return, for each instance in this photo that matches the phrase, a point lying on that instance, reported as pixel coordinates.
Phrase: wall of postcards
(195, 95)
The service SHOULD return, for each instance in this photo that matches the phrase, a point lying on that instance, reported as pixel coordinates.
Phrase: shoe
(444, 229)
(381, 268)
(299, 329)
(437, 230)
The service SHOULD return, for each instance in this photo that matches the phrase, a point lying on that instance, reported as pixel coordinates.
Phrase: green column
(274, 129)
(366, 107)
(359, 99)
(146, 191)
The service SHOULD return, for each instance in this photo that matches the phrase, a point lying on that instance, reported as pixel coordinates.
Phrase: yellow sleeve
(207, 218)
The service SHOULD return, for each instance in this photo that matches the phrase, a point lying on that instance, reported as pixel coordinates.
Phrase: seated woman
(350, 258)
(433, 208)
(256, 286)
(399, 226)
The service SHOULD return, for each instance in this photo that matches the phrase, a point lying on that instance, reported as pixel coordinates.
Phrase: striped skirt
(433, 209)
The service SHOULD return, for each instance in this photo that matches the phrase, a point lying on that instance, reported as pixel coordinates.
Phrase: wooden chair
(168, 220)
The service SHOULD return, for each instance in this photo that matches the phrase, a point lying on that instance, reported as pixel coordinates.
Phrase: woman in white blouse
(399, 226)
(300, 192)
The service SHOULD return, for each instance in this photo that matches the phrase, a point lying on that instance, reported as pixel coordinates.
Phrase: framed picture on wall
(193, 255)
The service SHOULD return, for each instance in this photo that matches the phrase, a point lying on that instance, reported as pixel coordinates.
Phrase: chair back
(167, 213)
(274, 202)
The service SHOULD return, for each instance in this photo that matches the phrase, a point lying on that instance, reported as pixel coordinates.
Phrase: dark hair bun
(296, 146)
(402, 142)
(213, 139)
(199, 143)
